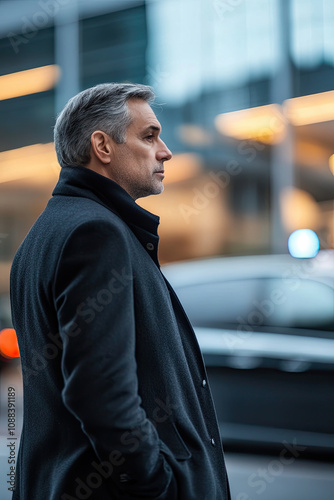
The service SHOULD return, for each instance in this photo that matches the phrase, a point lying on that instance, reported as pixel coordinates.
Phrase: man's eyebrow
(152, 127)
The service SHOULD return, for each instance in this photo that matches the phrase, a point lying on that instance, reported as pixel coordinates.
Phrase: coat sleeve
(93, 293)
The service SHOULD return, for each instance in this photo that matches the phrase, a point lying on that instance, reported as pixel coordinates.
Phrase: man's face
(138, 164)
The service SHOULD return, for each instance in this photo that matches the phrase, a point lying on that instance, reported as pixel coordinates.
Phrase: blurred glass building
(244, 95)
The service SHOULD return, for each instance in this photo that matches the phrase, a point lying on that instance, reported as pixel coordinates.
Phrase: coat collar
(83, 182)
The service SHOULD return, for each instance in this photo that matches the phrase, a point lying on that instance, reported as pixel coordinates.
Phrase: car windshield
(261, 302)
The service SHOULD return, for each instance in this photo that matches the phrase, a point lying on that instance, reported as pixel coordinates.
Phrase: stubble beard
(154, 188)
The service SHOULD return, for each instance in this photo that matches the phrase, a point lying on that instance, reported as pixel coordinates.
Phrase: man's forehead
(143, 115)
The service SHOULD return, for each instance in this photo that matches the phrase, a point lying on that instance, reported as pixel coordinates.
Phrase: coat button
(150, 246)
(203, 383)
(213, 442)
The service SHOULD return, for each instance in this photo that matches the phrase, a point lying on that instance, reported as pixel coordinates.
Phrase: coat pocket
(172, 439)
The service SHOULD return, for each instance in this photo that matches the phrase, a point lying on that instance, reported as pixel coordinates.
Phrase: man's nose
(164, 154)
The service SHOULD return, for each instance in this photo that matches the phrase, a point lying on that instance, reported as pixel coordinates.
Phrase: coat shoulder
(71, 211)
(65, 214)
(63, 217)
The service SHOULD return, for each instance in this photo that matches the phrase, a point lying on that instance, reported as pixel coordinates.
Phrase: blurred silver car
(265, 325)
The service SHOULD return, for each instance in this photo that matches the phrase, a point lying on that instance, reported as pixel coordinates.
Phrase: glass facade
(113, 47)
(202, 47)
(27, 119)
(238, 183)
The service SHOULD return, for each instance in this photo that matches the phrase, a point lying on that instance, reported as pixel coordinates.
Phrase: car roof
(188, 273)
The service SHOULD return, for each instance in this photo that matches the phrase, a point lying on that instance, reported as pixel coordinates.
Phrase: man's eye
(149, 137)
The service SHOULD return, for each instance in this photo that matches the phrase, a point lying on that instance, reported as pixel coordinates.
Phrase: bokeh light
(8, 343)
(303, 244)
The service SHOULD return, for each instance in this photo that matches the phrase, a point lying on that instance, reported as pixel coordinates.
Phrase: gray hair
(103, 107)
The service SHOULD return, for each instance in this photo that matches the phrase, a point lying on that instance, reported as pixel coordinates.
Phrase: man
(116, 401)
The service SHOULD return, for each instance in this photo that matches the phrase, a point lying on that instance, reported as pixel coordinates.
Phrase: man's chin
(154, 191)
(157, 189)
(160, 189)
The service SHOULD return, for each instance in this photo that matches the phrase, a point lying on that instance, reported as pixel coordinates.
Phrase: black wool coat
(116, 401)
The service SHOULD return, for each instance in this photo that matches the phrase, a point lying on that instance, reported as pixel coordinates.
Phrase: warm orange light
(38, 161)
(9, 347)
(264, 124)
(181, 167)
(314, 108)
(331, 163)
(30, 81)
(299, 210)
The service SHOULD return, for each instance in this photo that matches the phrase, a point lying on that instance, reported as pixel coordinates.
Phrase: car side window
(298, 303)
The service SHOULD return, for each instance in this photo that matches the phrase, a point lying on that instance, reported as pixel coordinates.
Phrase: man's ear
(101, 146)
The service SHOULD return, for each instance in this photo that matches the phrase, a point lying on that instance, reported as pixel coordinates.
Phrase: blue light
(303, 244)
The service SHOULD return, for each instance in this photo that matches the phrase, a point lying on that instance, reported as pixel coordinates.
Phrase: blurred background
(245, 96)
